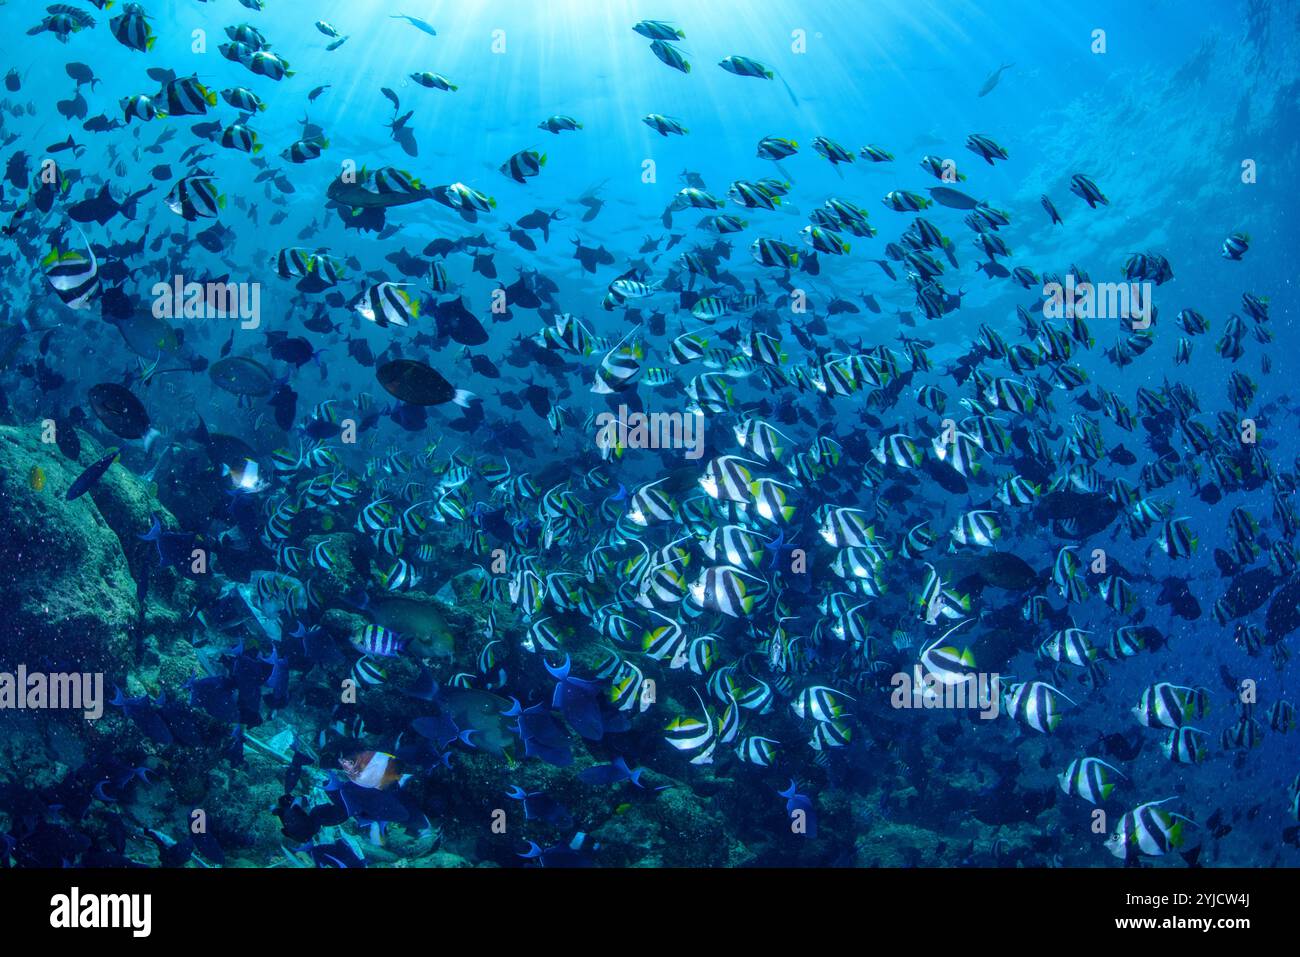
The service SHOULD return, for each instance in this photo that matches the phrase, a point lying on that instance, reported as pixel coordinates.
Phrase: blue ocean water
(721, 707)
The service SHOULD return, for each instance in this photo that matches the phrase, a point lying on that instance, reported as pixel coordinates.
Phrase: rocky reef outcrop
(79, 588)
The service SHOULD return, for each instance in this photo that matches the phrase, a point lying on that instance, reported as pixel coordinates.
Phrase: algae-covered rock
(129, 506)
(676, 829)
(347, 565)
(73, 572)
(443, 859)
(65, 583)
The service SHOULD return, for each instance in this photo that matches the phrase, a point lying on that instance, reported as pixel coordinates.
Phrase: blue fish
(87, 479)
(612, 773)
(796, 803)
